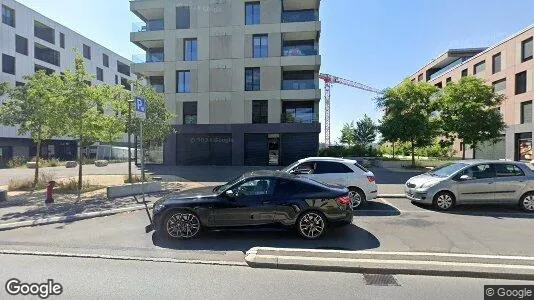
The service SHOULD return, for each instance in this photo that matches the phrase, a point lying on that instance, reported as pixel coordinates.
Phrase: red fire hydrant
(50, 192)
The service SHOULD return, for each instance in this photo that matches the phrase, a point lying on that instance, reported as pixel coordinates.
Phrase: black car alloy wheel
(311, 225)
(182, 225)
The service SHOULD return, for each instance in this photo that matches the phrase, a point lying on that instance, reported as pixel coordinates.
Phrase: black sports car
(262, 198)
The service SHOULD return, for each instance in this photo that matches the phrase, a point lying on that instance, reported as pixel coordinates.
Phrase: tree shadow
(350, 237)
(486, 210)
(204, 173)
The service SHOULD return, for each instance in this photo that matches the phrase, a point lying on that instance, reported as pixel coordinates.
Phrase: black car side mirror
(230, 194)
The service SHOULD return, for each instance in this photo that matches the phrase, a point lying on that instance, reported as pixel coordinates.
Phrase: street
(116, 279)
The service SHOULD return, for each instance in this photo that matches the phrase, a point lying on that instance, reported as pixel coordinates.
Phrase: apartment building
(240, 76)
(29, 42)
(509, 67)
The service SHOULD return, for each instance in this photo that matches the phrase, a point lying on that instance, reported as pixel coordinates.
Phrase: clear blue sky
(377, 42)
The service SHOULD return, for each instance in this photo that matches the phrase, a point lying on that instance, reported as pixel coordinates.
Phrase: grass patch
(27, 184)
(71, 186)
(137, 178)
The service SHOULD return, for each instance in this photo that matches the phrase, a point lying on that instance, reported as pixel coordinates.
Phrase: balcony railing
(147, 58)
(300, 118)
(299, 50)
(151, 25)
(299, 84)
(292, 16)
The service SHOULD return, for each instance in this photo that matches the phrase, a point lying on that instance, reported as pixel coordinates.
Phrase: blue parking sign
(140, 107)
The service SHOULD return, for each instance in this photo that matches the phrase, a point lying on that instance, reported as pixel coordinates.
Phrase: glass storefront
(524, 146)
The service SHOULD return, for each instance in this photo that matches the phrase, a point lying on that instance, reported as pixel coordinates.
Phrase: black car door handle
(266, 202)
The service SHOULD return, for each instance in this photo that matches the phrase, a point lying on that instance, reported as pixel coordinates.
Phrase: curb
(69, 218)
(391, 196)
(410, 263)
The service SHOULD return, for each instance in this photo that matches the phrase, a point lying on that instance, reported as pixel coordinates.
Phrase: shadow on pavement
(385, 176)
(350, 237)
(378, 209)
(487, 210)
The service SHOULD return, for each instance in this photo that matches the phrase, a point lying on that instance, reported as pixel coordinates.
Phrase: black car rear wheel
(181, 224)
(311, 225)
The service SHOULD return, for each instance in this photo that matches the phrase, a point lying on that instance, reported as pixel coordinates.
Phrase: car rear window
(361, 167)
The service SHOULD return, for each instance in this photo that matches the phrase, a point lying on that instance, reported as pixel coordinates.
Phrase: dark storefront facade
(26, 148)
(242, 144)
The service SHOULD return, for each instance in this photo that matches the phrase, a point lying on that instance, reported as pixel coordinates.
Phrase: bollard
(50, 192)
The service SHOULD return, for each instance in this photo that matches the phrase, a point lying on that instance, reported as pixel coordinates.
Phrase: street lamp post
(130, 101)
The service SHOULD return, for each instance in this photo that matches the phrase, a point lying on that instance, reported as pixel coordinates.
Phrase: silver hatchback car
(474, 182)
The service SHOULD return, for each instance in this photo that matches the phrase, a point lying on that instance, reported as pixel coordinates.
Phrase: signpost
(140, 113)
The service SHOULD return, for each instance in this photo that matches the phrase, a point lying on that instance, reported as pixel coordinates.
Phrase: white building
(30, 41)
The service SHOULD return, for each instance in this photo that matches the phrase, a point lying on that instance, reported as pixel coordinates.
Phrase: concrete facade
(225, 48)
(53, 51)
(450, 66)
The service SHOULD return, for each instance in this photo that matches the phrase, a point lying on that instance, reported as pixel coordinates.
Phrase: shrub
(27, 184)
(16, 162)
(137, 178)
(71, 186)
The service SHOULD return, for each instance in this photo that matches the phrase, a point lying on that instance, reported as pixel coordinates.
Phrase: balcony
(299, 112)
(150, 25)
(46, 54)
(148, 9)
(44, 32)
(294, 16)
(296, 49)
(299, 84)
(148, 58)
(157, 82)
(303, 118)
(159, 88)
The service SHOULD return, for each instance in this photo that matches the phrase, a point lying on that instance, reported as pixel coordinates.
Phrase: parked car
(256, 199)
(474, 182)
(345, 172)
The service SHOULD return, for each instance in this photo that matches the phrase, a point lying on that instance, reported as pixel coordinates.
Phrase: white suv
(345, 172)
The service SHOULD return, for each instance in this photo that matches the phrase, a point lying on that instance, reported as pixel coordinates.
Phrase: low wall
(131, 189)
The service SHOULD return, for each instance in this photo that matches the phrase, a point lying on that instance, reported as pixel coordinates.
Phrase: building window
(21, 44)
(190, 50)
(480, 67)
(18, 83)
(8, 64)
(116, 79)
(260, 111)
(46, 54)
(260, 45)
(62, 40)
(86, 51)
(526, 50)
(48, 71)
(183, 17)
(461, 146)
(439, 85)
(45, 33)
(105, 60)
(464, 72)
(499, 85)
(448, 80)
(99, 74)
(252, 79)
(420, 78)
(252, 13)
(496, 63)
(526, 112)
(8, 16)
(521, 83)
(183, 79)
(123, 68)
(190, 112)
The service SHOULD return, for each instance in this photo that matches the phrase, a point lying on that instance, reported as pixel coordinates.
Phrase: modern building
(29, 42)
(509, 67)
(240, 76)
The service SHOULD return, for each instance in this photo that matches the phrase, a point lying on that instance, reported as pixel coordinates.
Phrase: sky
(376, 42)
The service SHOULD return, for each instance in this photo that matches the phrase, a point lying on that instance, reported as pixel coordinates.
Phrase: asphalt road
(112, 279)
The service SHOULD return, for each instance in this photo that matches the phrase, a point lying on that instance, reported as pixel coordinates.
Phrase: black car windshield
(447, 169)
(224, 187)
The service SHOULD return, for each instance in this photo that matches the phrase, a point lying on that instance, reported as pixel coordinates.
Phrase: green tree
(33, 108)
(469, 110)
(347, 134)
(3, 88)
(90, 113)
(365, 131)
(409, 113)
(157, 125)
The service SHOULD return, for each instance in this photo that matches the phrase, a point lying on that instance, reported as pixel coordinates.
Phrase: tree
(3, 88)
(469, 111)
(365, 131)
(91, 113)
(33, 108)
(157, 125)
(409, 114)
(347, 134)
